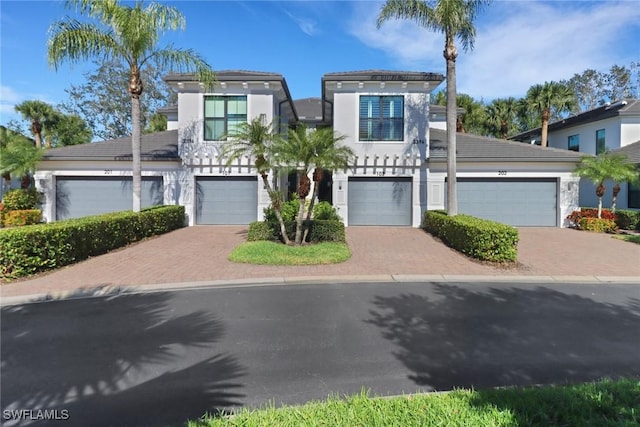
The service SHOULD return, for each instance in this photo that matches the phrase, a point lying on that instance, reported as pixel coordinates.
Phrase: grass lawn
(272, 253)
(629, 238)
(605, 403)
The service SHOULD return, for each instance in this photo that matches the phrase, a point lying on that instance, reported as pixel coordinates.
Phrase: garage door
(379, 201)
(517, 202)
(82, 196)
(226, 200)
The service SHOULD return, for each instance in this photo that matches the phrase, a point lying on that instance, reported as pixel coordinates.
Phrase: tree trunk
(36, 129)
(275, 204)
(135, 89)
(545, 127)
(600, 190)
(616, 191)
(317, 177)
(450, 54)
(300, 221)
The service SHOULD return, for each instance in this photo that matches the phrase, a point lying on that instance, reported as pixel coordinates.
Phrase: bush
(19, 218)
(31, 249)
(259, 230)
(327, 231)
(21, 199)
(475, 237)
(599, 225)
(575, 216)
(627, 219)
(325, 211)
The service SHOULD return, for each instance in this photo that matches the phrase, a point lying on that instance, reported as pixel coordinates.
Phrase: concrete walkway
(198, 256)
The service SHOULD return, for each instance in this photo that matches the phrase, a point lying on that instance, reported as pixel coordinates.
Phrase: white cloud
(518, 43)
(307, 26)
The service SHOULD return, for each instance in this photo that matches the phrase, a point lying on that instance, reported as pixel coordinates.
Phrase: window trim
(604, 143)
(225, 118)
(379, 121)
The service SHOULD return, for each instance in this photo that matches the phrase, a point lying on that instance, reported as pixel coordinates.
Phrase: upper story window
(381, 118)
(633, 196)
(600, 144)
(574, 143)
(222, 115)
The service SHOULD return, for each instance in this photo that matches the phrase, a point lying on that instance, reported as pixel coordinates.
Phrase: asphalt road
(161, 358)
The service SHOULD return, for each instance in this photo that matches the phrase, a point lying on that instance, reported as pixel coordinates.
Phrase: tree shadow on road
(508, 336)
(134, 364)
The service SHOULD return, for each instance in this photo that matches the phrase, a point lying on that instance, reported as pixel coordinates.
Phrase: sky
(518, 44)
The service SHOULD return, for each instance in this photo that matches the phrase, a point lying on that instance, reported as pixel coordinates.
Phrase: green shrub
(259, 230)
(599, 225)
(327, 231)
(19, 218)
(21, 199)
(475, 237)
(325, 211)
(627, 219)
(31, 249)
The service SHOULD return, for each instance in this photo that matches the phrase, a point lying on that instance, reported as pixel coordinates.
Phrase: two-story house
(385, 117)
(612, 127)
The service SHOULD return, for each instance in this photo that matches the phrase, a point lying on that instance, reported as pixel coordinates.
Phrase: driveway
(197, 254)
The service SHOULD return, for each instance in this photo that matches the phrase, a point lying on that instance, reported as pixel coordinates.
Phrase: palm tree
(602, 167)
(38, 113)
(501, 117)
(622, 172)
(316, 149)
(453, 18)
(548, 100)
(18, 157)
(256, 139)
(130, 35)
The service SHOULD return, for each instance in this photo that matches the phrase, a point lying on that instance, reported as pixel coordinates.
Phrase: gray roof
(626, 107)
(309, 109)
(632, 151)
(168, 109)
(154, 146)
(384, 75)
(226, 75)
(482, 149)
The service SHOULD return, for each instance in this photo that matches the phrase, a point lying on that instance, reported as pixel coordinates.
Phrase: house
(612, 127)
(385, 117)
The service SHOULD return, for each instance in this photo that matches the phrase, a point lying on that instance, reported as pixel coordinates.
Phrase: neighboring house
(385, 116)
(611, 127)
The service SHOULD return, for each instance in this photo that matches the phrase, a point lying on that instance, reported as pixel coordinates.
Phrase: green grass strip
(271, 253)
(604, 403)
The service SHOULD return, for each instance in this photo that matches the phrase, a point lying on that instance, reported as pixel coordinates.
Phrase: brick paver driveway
(199, 253)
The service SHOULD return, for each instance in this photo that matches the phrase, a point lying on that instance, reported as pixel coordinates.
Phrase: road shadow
(118, 360)
(508, 336)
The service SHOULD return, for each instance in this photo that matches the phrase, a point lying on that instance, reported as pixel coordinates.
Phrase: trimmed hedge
(627, 219)
(21, 199)
(478, 238)
(19, 218)
(35, 248)
(319, 231)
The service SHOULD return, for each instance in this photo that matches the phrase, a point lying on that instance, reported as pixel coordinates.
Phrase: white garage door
(517, 202)
(78, 196)
(226, 200)
(379, 201)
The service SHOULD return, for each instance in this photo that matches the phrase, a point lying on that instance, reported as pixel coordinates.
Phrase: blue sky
(519, 43)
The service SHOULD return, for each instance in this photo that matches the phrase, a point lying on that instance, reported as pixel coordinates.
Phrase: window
(600, 145)
(633, 196)
(381, 118)
(222, 115)
(574, 143)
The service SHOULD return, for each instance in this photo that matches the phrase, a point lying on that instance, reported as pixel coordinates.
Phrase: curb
(102, 291)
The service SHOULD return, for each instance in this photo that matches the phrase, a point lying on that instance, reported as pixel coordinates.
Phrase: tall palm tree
(548, 100)
(256, 139)
(38, 113)
(127, 34)
(502, 114)
(602, 167)
(453, 18)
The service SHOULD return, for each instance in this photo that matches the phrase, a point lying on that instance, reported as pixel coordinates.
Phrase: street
(164, 357)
